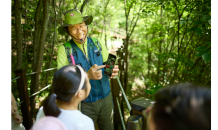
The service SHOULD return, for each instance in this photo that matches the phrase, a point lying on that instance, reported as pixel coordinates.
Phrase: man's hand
(18, 118)
(13, 108)
(95, 72)
(115, 71)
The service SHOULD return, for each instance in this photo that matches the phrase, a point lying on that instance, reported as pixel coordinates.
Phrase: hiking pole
(124, 95)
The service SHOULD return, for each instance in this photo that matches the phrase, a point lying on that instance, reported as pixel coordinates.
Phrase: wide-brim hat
(72, 17)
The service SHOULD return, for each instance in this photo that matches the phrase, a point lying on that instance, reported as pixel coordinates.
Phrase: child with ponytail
(70, 86)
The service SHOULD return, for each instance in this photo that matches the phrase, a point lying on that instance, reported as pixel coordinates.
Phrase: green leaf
(198, 31)
(206, 57)
(201, 53)
(148, 92)
(190, 19)
(107, 69)
(182, 22)
(203, 25)
(201, 48)
(197, 14)
(13, 21)
(152, 91)
(206, 17)
(209, 21)
(208, 43)
(111, 67)
(191, 29)
(197, 22)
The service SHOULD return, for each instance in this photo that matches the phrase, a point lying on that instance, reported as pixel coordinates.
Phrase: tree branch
(176, 8)
(125, 8)
(136, 20)
(184, 9)
(83, 5)
(131, 23)
(130, 8)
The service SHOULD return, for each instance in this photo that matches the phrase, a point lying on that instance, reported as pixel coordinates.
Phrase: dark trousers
(101, 112)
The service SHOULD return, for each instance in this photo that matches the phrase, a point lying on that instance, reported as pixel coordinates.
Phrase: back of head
(65, 84)
(182, 107)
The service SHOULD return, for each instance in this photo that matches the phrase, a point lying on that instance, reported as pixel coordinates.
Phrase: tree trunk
(83, 5)
(128, 35)
(126, 63)
(40, 55)
(52, 47)
(63, 7)
(36, 34)
(105, 39)
(24, 29)
(160, 49)
(149, 60)
(62, 11)
(18, 34)
(35, 49)
(159, 59)
(104, 22)
(75, 4)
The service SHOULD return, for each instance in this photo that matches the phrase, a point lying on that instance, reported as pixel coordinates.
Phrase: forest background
(165, 41)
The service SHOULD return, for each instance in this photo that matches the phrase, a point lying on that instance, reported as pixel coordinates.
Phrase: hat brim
(87, 19)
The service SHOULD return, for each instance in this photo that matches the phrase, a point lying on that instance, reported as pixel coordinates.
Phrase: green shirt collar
(80, 45)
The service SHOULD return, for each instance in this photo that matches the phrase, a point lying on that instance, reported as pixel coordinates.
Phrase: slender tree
(40, 53)
(83, 5)
(129, 31)
(18, 34)
(53, 43)
(35, 52)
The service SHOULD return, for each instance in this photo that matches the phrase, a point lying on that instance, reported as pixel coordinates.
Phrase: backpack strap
(97, 44)
(68, 50)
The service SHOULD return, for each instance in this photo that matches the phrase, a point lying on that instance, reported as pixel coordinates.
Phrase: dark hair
(66, 81)
(182, 107)
(66, 28)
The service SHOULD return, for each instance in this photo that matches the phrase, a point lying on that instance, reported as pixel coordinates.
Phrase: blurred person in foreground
(16, 118)
(49, 123)
(181, 107)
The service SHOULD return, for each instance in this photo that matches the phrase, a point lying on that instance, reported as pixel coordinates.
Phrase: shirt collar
(80, 45)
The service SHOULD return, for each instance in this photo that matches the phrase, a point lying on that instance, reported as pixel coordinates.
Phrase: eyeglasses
(75, 30)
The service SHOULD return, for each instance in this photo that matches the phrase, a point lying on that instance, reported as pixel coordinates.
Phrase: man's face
(78, 31)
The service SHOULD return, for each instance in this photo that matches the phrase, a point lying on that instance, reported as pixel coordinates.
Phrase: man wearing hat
(91, 55)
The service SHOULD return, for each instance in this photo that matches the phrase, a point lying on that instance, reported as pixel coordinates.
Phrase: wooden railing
(119, 97)
(24, 96)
